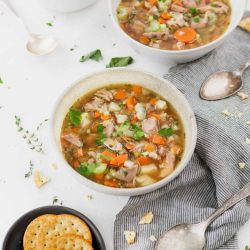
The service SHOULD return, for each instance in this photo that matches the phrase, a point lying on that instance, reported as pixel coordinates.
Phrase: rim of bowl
(230, 28)
(124, 191)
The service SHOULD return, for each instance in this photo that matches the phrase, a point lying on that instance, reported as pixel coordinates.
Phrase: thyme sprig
(41, 124)
(57, 201)
(30, 137)
(30, 172)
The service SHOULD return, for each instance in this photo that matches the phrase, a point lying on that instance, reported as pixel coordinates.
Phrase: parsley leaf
(120, 62)
(100, 140)
(50, 24)
(75, 117)
(95, 55)
(166, 132)
(87, 169)
(138, 132)
(1, 81)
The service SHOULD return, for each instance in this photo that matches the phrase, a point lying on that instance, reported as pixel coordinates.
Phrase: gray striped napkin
(213, 174)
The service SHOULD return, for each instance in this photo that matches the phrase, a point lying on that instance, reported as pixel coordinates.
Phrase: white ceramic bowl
(66, 5)
(111, 76)
(180, 56)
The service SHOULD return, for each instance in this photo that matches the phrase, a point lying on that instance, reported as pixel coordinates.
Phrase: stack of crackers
(57, 232)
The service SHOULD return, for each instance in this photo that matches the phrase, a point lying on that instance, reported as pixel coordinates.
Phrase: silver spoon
(192, 236)
(223, 84)
(37, 44)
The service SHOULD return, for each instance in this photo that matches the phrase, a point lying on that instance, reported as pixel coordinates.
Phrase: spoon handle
(245, 67)
(242, 194)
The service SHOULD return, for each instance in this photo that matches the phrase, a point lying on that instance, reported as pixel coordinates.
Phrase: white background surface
(31, 87)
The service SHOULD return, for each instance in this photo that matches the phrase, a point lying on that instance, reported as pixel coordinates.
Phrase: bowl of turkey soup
(123, 132)
(176, 30)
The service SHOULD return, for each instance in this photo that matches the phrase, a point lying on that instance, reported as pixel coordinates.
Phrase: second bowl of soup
(124, 132)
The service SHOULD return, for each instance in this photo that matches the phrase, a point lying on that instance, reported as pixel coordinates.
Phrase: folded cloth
(213, 174)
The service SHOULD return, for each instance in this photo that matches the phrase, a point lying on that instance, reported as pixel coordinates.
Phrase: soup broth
(174, 24)
(123, 136)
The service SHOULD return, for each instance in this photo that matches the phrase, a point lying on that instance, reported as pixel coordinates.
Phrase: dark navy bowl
(14, 238)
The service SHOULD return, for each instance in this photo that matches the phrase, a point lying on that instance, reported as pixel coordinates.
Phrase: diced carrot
(75, 129)
(155, 115)
(165, 15)
(145, 40)
(107, 154)
(120, 95)
(78, 153)
(110, 183)
(105, 117)
(150, 147)
(129, 146)
(131, 102)
(153, 101)
(161, 20)
(157, 139)
(175, 149)
(76, 164)
(97, 114)
(119, 160)
(137, 89)
(185, 35)
(143, 160)
(99, 176)
(153, 2)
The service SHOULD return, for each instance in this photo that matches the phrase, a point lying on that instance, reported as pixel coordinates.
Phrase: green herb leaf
(166, 132)
(100, 128)
(1, 81)
(75, 117)
(138, 132)
(196, 19)
(95, 55)
(87, 169)
(120, 62)
(194, 11)
(247, 248)
(50, 24)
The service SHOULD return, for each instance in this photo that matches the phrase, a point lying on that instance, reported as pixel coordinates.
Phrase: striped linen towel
(213, 174)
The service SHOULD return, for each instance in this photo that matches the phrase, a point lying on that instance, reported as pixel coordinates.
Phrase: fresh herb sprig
(41, 124)
(30, 172)
(56, 201)
(247, 248)
(30, 137)
(95, 55)
(120, 62)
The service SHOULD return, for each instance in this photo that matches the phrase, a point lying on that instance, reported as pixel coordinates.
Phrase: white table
(31, 87)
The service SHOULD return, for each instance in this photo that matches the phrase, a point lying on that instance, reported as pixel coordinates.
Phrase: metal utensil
(37, 44)
(192, 236)
(222, 84)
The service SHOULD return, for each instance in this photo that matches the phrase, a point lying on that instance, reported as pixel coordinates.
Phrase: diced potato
(114, 107)
(144, 180)
(161, 105)
(149, 169)
(121, 118)
(166, 171)
(85, 120)
(140, 111)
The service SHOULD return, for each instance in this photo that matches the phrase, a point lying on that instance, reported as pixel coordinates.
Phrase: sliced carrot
(119, 160)
(76, 164)
(131, 102)
(129, 146)
(78, 153)
(185, 35)
(99, 176)
(97, 114)
(165, 15)
(107, 154)
(110, 183)
(155, 115)
(162, 20)
(137, 89)
(175, 149)
(105, 117)
(120, 95)
(145, 40)
(153, 2)
(150, 147)
(157, 139)
(143, 160)
(153, 101)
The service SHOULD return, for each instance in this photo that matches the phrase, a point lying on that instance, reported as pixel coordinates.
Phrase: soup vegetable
(174, 24)
(122, 136)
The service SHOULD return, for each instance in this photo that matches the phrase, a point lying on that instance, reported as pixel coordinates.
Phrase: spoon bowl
(41, 45)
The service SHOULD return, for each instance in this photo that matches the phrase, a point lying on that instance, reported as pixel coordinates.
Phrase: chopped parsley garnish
(166, 132)
(196, 19)
(138, 132)
(87, 169)
(120, 62)
(194, 11)
(95, 55)
(100, 140)
(75, 117)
